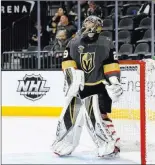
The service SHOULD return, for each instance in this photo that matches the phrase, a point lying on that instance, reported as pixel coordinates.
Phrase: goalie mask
(92, 25)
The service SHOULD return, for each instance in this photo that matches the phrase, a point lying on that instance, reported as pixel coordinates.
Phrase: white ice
(27, 140)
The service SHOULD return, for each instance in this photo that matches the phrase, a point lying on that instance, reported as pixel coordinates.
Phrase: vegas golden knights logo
(87, 61)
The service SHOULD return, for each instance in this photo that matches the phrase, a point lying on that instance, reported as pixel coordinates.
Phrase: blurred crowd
(134, 26)
(62, 26)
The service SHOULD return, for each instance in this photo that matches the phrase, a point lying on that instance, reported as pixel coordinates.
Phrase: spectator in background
(94, 9)
(52, 26)
(65, 25)
(44, 36)
(84, 8)
(73, 16)
(58, 14)
(60, 43)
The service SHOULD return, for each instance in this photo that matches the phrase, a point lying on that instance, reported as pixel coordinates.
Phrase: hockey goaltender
(92, 83)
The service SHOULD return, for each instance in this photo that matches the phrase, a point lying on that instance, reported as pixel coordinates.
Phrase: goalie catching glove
(114, 90)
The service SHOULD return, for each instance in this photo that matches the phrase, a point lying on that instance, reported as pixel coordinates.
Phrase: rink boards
(40, 93)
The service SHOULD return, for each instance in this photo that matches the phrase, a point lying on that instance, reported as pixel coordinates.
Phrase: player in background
(92, 82)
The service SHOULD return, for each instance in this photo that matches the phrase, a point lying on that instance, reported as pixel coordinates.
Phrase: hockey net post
(139, 115)
(142, 111)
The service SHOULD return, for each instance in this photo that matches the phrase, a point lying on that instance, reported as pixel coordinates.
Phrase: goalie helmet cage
(140, 112)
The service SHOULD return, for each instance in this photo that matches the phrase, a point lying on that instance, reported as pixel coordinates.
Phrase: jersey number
(115, 56)
(65, 55)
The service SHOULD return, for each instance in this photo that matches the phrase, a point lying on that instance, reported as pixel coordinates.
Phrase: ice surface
(27, 140)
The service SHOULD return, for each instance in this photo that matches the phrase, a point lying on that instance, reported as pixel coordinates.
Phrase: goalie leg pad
(73, 81)
(107, 123)
(69, 128)
(110, 126)
(98, 130)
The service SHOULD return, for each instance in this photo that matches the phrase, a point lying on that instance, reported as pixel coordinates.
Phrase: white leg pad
(100, 134)
(67, 140)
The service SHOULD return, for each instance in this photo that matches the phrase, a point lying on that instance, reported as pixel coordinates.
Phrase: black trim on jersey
(110, 59)
(68, 57)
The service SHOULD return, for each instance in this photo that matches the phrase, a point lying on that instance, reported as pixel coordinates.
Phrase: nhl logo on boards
(32, 87)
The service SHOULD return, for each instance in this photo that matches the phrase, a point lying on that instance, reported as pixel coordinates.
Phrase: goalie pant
(93, 101)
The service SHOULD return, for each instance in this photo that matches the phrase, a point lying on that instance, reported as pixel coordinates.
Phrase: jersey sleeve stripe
(112, 72)
(114, 67)
(69, 63)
